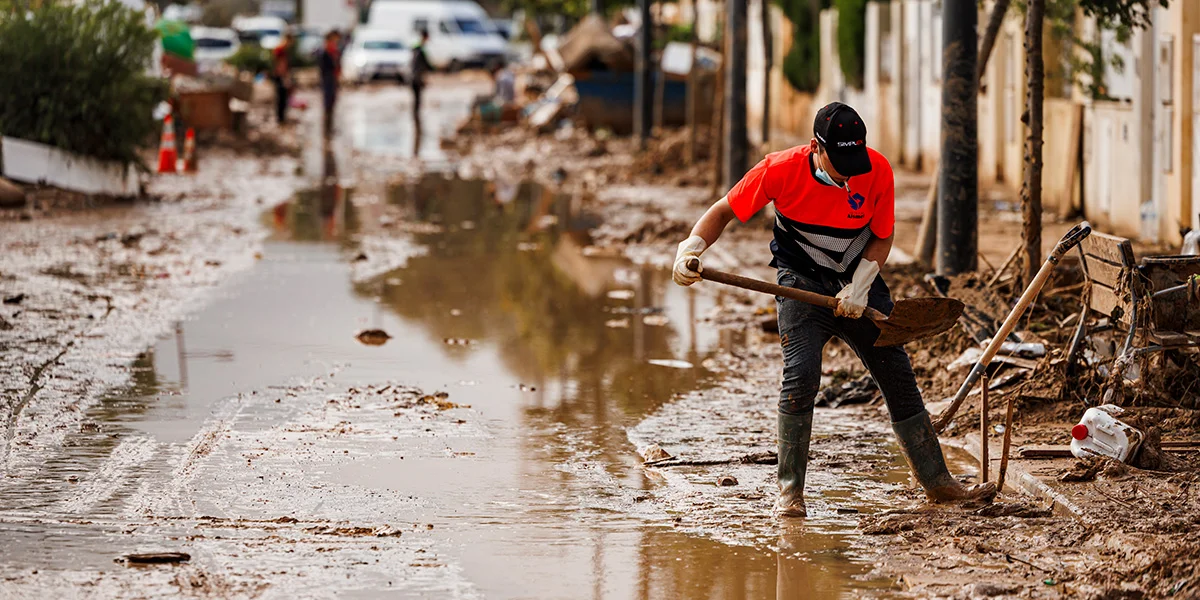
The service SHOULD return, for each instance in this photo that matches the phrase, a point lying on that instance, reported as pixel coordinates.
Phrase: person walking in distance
(281, 75)
(420, 67)
(329, 63)
(834, 215)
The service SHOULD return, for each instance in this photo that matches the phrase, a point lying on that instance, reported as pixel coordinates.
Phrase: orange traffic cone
(167, 155)
(189, 151)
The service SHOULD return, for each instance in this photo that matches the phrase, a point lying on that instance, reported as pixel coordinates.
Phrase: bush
(75, 77)
(851, 39)
(251, 58)
(802, 63)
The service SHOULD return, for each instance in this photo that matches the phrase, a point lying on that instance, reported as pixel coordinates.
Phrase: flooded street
(487, 448)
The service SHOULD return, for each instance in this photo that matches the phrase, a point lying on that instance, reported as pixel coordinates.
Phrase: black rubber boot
(924, 454)
(794, 434)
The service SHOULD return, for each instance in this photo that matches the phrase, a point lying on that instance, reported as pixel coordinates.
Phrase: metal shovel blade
(916, 318)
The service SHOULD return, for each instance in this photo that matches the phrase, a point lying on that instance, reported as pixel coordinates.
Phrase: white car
(376, 53)
(265, 31)
(460, 32)
(213, 46)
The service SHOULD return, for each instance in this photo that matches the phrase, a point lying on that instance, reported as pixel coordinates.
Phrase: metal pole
(643, 97)
(737, 147)
(958, 180)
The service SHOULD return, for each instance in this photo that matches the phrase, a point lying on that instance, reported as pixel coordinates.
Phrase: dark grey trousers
(804, 330)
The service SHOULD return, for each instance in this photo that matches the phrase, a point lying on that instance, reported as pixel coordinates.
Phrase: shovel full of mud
(911, 318)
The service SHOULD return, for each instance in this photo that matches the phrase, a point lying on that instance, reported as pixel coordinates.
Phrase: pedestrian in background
(329, 63)
(420, 66)
(281, 75)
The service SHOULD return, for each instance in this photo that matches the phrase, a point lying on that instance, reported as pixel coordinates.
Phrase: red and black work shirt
(819, 228)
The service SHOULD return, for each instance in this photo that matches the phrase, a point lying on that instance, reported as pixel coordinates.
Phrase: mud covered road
(192, 375)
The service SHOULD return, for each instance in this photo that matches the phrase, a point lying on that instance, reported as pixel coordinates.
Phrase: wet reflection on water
(503, 310)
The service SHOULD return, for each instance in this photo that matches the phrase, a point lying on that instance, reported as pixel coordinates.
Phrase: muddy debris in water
(526, 388)
(621, 294)
(373, 337)
(726, 480)
(154, 558)
(347, 531)
(14, 299)
(458, 342)
(617, 323)
(440, 400)
(654, 452)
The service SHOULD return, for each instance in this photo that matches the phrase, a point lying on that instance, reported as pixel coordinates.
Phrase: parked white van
(460, 32)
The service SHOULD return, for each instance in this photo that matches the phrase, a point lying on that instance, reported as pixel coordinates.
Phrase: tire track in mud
(111, 476)
(170, 259)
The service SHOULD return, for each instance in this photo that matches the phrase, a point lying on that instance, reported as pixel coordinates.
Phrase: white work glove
(690, 248)
(852, 300)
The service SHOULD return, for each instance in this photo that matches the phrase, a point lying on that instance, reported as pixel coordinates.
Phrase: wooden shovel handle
(759, 285)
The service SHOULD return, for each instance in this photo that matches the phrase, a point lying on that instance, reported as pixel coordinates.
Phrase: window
(420, 25)
(382, 45)
(213, 43)
(446, 26)
(471, 27)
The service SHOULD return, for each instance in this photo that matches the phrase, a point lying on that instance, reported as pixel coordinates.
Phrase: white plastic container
(1100, 432)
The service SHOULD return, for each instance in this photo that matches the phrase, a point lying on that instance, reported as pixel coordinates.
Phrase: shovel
(1068, 241)
(911, 319)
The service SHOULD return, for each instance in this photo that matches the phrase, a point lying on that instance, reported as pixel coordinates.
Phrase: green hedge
(75, 77)
(802, 63)
(851, 39)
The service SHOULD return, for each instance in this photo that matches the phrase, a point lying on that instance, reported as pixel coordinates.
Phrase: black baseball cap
(843, 134)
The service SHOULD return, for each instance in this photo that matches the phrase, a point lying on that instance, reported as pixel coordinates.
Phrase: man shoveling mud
(834, 215)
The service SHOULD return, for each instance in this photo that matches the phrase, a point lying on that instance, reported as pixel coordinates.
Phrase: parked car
(213, 46)
(376, 53)
(264, 31)
(460, 32)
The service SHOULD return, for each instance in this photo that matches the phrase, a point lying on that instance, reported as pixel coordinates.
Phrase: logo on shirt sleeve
(856, 200)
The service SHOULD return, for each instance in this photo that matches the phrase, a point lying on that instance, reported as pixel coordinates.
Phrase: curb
(1019, 477)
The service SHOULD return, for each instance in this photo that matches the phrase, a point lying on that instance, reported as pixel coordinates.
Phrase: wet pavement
(488, 448)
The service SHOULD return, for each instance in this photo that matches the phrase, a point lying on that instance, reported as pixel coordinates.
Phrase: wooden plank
(1105, 300)
(1041, 451)
(1114, 249)
(1105, 273)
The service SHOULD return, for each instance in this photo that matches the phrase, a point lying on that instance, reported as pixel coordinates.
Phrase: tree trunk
(643, 94)
(989, 36)
(958, 176)
(737, 151)
(1031, 190)
(769, 55)
(927, 236)
(693, 96)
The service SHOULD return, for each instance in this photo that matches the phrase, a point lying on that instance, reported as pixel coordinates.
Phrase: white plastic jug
(1100, 432)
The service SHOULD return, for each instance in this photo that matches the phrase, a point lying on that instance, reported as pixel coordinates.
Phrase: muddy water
(531, 490)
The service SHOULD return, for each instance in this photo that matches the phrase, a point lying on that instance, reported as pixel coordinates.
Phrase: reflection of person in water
(330, 194)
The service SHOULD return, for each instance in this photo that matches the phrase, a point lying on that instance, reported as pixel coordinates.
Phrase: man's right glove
(690, 248)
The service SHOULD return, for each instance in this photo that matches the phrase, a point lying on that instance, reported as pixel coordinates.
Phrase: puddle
(486, 295)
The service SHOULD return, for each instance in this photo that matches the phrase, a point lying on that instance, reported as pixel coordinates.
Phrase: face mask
(823, 176)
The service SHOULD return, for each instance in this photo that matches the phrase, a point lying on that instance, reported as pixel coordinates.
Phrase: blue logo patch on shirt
(856, 200)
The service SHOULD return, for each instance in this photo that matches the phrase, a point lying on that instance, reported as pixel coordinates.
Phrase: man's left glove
(852, 300)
